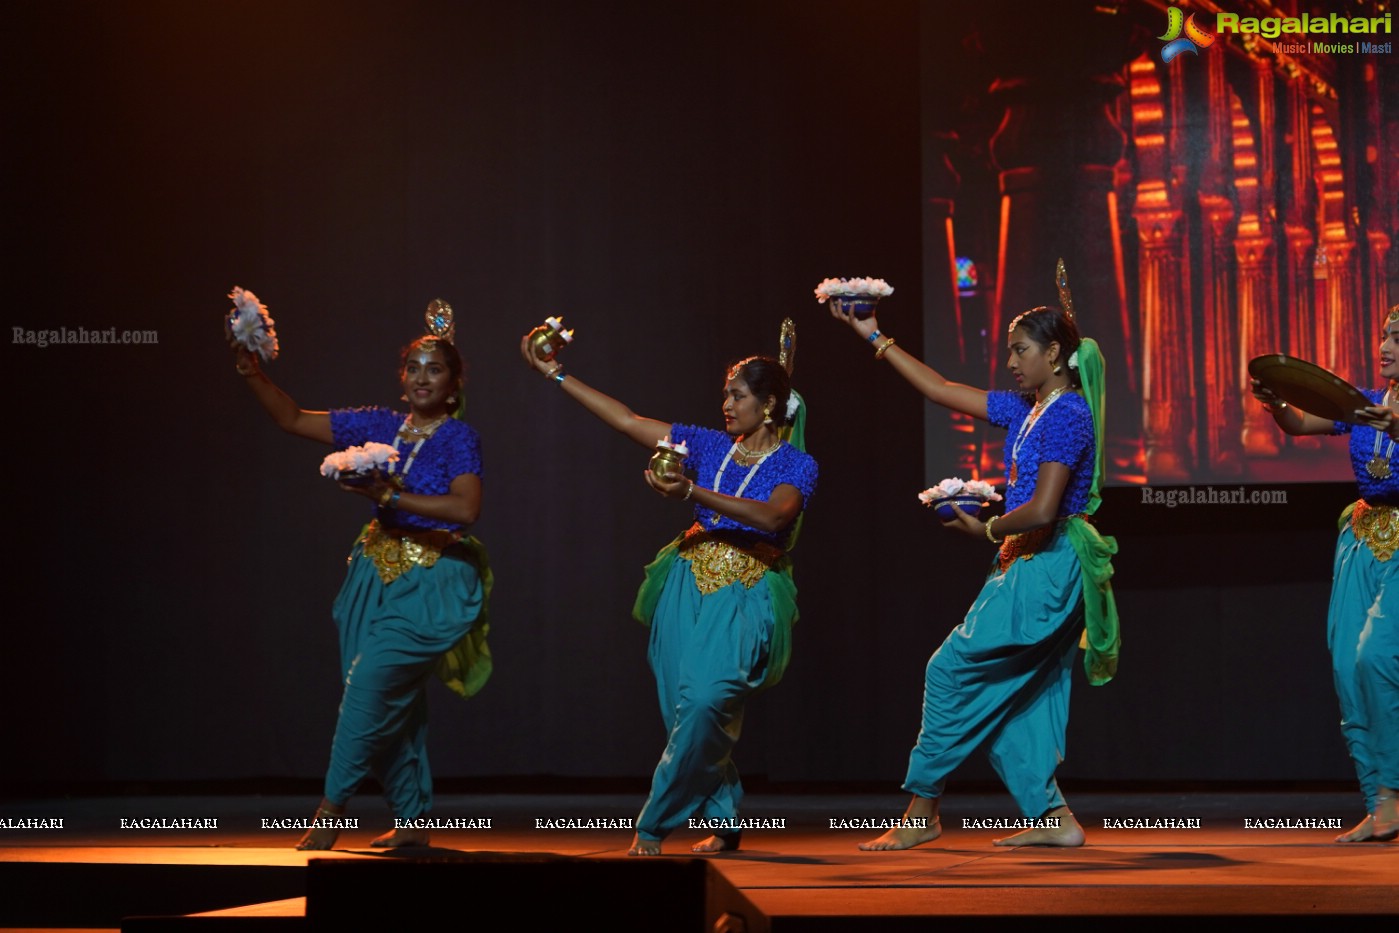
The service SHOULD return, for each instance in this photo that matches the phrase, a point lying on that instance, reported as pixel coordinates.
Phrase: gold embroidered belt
(717, 561)
(397, 550)
(1377, 526)
(1024, 545)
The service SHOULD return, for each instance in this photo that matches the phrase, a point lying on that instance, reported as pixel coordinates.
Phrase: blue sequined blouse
(787, 465)
(1362, 448)
(1063, 434)
(452, 450)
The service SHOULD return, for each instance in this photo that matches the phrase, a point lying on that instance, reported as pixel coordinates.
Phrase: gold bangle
(990, 535)
(385, 496)
(879, 354)
(689, 491)
(245, 371)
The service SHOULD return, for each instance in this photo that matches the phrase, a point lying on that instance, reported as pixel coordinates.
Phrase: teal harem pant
(1003, 677)
(392, 637)
(1362, 630)
(708, 653)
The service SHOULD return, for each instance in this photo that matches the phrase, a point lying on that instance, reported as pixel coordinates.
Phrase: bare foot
(399, 838)
(322, 837)
(920, 825)
(903, 837)
(1068, 833)
(726, 842)
(641, 846)
(1386, 815)
(1360, 832)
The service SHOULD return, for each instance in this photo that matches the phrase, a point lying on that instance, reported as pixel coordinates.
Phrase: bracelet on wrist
(883, 348)
(874, 336)
(990, 535)
(689, 491)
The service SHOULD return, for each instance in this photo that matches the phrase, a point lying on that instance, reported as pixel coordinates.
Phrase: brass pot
(546, 342)
(666, 462)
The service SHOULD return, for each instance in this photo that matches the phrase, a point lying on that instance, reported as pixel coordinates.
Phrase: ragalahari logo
(1176, 23)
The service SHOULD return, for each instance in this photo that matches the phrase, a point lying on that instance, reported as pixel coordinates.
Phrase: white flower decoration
(250, 325)
(840, 288)
(1073, 360)
(371, 456)
(953, 486)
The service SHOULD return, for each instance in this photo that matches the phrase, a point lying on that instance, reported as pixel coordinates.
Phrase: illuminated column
(1164, 286)
(1304, 335)
(1256, 257)
(1257, 335)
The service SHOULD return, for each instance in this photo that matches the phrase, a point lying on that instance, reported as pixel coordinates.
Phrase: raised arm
(645, 431)
(314, 425)
(934, 387)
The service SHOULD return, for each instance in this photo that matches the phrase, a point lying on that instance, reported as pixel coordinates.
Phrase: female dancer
(1003, 675)
(1362, 623)
(414, 597)
(719, 599)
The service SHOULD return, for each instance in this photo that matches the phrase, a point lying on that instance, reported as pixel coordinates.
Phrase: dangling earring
(1058, 369)
(451, 401)
(403, 397)
(767, 413)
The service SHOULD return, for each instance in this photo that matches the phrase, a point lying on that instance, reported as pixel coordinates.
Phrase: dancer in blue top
(1362, 622)
(719, 600)
(414, 598)
(1002, 677)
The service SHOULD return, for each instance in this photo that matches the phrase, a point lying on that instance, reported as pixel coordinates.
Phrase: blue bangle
(560, 376)
(874, 336)
(393, 499)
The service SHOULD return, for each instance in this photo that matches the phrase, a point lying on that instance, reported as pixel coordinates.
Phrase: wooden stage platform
(555, 862)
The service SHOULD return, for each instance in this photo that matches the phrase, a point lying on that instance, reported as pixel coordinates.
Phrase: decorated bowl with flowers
(358, 466)
(970, 496)
(853, 296)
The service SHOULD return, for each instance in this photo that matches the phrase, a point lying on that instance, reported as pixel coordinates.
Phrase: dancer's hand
(1379, 417)
(547, 367)
(862, 326)
(1267, 396)
(968, 524)
(670, 485)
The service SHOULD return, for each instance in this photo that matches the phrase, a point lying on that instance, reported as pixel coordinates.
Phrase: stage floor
(1225, 854)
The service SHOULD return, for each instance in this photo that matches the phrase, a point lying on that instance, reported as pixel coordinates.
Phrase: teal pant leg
(392, 636)
(1003, 676)
(1362, 631)
(708, 653)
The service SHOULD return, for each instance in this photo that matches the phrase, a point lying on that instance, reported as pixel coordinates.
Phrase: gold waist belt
(717, 562)
(1377, 526)
(1023, 546)
(395, 551)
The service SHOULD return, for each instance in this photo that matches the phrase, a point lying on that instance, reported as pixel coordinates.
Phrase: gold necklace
(409, 429)
(747, 454)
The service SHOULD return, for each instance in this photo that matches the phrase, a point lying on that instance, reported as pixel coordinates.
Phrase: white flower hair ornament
(794, 404)
(250, 326)
(1073, 360)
